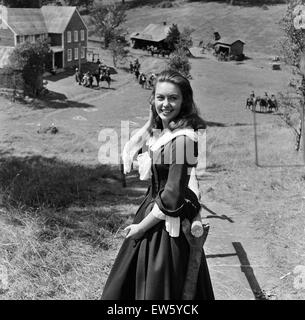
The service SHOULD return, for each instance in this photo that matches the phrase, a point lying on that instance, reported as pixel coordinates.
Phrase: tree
(118, 49)
(293, 48)
(79, 3)
(173, 37)
(107, 21)
(22, 3)
(31, 59)
(180, 62)
(179, 40)
(185, 40)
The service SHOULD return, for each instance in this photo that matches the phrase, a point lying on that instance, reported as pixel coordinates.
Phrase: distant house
(230, 47)
(153, 34)
(64, 28)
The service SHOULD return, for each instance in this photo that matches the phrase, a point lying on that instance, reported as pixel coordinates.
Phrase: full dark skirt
(154, 268)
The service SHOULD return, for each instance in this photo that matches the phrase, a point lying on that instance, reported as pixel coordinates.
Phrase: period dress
(154, 267)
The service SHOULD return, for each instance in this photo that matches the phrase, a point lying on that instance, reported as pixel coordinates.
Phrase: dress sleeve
(182, 153)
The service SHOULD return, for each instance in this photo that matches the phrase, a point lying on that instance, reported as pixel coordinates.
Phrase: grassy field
(62, 212)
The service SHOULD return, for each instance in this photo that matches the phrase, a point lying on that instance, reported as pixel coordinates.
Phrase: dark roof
(24, 21)
(227, 41)
(48, 19)
(153, 32)
(57, 17)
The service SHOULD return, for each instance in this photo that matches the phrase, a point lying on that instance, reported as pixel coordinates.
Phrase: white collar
(156, 142)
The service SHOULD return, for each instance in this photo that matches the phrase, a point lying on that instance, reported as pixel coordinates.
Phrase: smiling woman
(161, 257)
(168, 100)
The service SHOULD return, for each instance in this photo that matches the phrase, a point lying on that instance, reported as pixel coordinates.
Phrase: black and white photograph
(152, 150)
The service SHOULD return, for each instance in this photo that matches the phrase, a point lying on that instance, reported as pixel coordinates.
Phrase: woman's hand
(134, 231)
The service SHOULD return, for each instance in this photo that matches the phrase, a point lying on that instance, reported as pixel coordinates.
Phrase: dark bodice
(170, 176)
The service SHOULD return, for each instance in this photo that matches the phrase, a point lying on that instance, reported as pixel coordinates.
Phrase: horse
(273, 105)
(250, 103)
(142, 79)
(150, 81)
(263, 104)
(105, 77)
(154, 50)
(97, 74)
(165, 53)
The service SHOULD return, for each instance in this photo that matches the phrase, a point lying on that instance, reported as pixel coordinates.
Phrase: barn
(229, 46)
(152, 35)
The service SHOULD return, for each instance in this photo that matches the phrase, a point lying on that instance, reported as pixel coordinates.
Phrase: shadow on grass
(59, 76)
(199, 57)
(69, 200)
(55, 100)
(221, 124)
(245, 267)
(216, 215)
(37, 182)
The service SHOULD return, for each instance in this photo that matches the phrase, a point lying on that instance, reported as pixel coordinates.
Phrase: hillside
(258, 28)
(64, 247)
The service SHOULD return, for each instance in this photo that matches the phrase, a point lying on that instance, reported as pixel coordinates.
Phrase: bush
(179, 61)
(165, 4)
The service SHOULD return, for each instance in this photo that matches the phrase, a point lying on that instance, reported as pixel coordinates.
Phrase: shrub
(165, 4)
(180, 62)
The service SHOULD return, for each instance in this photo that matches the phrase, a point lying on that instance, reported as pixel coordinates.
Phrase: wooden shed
(231, 47)
(152, 35)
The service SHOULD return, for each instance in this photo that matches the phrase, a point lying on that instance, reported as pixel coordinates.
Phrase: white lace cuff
(172, 224)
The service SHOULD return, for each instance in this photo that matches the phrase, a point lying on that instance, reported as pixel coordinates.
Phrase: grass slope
(57, 244)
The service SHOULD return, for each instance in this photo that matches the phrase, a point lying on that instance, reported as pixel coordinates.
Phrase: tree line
(40, 3)
(245, 2)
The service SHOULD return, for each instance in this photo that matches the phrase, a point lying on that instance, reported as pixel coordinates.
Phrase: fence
(11, 82)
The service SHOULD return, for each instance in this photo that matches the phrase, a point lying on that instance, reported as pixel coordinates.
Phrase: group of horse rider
(265, 102)
(144, 80)
(135, 67)
(147, 81)
(100, 74)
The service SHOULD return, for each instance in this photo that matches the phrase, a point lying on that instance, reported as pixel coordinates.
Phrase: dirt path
(239, 266)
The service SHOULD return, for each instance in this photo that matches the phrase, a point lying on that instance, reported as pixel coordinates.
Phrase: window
(69, 54)
(75, 36)
(75, 53)
(82, 35)
(32, 38)
(21, 39)
(83, 53)
(69, 36)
